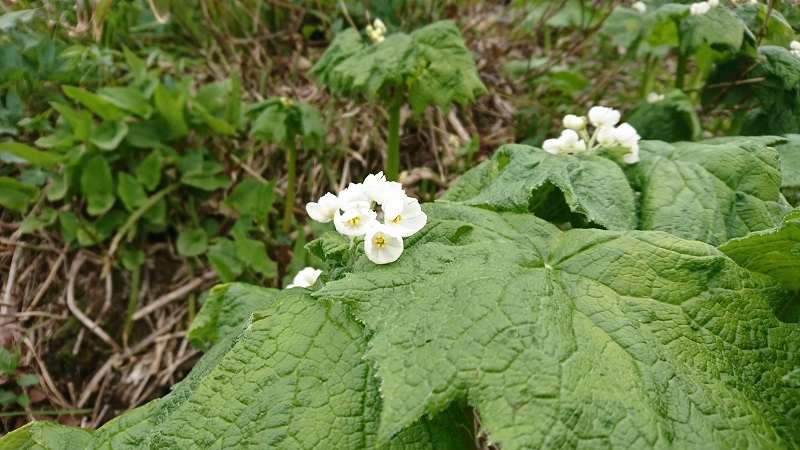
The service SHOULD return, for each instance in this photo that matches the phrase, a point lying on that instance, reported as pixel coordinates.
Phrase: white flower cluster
(654, 97)
(696, 9)
(376, 31)
(575, 139)
(639, 6)
(353, 214)
(305, 278)
(794, 47)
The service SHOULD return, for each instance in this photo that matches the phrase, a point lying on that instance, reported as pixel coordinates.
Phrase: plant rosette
(576, 139)
(353, 214)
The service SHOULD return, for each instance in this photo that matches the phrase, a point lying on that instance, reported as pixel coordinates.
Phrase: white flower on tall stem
(354, 222)
(403, 215)
(324, 210)
(305, 278)
(601, 116)
(381, 245)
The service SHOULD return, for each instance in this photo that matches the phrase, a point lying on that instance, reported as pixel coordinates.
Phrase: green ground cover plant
(623, 279)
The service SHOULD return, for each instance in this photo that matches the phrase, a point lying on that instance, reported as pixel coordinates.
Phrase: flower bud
(574, 122)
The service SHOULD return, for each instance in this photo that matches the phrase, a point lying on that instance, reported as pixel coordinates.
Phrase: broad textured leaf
(711, 191)
(587, 338)
(778, 31)
(672, 119)
(97, 185)
(30, 154)
(775, 252)
(17, 195)
(432, 61)
(521, 178)
(789, 152)
(225, 310)
(719, 28)
(44, 435)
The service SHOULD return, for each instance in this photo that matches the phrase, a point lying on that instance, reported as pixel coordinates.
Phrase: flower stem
(393, 138)
(681, 75)
(291, 163)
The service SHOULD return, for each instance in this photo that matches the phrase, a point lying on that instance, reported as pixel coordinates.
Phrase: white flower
(699, 8)
(354, 222)
(379, 25)
(639, 6)
(570, 142)
(627, 136)
(403, 215)
(753, 2)
(305, 278)
(606, 136)
(377, 189)
(552, 146)
(601, 116)
(654, 97)
(323, 210)
(794, 47)
(381, 245)
(713, 3)
(574, 122)
(352, 197)
(633, 156)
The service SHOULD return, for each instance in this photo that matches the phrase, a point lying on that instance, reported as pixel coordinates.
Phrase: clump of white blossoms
(353, 214)
(305, 278)
(697, 9)
(794, 47)
(576, 139)
(376, 31)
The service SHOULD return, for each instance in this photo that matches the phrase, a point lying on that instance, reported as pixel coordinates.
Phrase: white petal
(324, 210)
(568, 139)
(794, 45)
(639, 6)
(574, 122)
(353, 197)
(713, 3)
(626, 135)
(606, 136)
(632, 157)
(305, 278)
(354, 222)
(382, 246)
(601, 116)
(552, 146)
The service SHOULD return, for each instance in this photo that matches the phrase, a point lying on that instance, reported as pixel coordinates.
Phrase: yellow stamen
(354, 221)
(397, 219)
(379, 241)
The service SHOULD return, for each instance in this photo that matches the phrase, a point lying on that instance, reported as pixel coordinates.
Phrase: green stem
(393, 139)
(136, 280)
(646, 85)
(289, 208)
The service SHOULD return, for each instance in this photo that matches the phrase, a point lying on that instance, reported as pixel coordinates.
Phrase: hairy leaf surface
(586, 338)
(521, 178)
(711, 191)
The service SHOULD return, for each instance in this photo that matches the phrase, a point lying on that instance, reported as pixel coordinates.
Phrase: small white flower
(633, 156)
(600, 116)
(353, 197)
(379, 25)
(574, 122)
(403, 215)
(305, 278)
(568, 139)
(381, 245)
(697, 9)
(323, 210)
(354, 222)
(606, 136)
(654, 97)
(552, 146)
(639, 6)
(627, 136)
(377, 189)
(713, 3)
(794, 45)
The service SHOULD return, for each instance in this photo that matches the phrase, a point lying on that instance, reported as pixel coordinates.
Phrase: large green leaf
(225, 310)
(672, 119)
(587, 338)
(44, 435)
(522, 178)
(719, 29)
(789, 152)
(432, 61)
(711, 191)
(775, 252)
